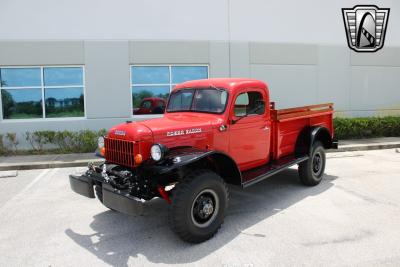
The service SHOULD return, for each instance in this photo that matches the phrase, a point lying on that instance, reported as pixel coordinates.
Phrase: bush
(43, 142)
(36, 139)
(12, 141)
(75, 142)
(86, 141)
(3, 148)
(356, 128)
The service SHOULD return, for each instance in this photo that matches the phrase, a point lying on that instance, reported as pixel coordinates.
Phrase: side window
(146, 104)
(161, 104)
(159, 108)
(249, 103)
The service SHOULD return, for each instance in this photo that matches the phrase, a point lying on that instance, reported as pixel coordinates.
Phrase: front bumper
(112, 198)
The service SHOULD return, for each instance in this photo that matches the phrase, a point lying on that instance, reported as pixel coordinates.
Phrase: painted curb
(350, 148)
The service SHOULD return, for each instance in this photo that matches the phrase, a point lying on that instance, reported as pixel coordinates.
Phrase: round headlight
(100, 142)
(156, 152)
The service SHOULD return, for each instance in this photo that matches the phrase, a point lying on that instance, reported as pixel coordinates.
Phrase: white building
(88, 64)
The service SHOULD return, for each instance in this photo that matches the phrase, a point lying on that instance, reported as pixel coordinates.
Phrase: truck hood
(174, 129)
(132, 131)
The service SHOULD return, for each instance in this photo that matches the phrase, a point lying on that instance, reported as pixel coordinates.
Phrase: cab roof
(230, 84)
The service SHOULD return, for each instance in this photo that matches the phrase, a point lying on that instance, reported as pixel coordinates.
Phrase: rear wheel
(198, 206)
(312, 170)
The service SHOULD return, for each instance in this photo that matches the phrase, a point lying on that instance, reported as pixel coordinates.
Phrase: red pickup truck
(214, 132)
(150, 105)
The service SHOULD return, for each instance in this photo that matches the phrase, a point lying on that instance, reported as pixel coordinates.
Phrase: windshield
(211, 100)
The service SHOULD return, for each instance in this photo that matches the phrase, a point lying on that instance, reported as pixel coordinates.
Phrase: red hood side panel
(172, 130)
(133, 131)
(183, 129)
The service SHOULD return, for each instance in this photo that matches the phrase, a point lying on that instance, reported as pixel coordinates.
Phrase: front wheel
(312, 170)
(198, 206)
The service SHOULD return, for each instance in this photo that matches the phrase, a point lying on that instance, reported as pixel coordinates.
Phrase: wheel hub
(208, 209)
(317, 163)
(205, 208)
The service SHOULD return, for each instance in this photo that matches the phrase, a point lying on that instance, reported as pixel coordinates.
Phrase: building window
(42, 92)
(151, 85)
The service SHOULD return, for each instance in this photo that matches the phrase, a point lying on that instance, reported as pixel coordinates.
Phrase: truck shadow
(119, 237)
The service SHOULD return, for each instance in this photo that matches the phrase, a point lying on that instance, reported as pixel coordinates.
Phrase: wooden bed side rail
(305, 108)
(301, 111)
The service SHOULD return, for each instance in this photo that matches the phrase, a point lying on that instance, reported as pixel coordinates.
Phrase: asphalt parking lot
(351, 218)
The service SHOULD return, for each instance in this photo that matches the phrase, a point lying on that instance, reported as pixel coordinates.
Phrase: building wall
(297, 74)
(271, 21)
(302, 61)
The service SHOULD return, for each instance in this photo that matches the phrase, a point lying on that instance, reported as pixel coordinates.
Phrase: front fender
(178, 158)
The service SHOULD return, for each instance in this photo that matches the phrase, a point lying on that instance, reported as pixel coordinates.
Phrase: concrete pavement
(351, 218)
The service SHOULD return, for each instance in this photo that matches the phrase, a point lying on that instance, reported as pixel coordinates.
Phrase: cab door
(249, 131)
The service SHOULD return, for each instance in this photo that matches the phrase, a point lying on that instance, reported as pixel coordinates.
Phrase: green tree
(137, 97)
(8, 103)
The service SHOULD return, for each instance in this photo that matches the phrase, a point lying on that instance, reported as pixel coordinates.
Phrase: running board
(253, 176)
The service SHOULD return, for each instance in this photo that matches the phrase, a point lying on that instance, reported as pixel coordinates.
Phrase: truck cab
(150, 105)
(214, 132)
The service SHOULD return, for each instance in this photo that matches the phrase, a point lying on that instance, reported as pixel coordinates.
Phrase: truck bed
(288, 123)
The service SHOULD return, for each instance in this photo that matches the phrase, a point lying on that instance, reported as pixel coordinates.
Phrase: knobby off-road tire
(312, 170)
(99, 194)
(198, 206)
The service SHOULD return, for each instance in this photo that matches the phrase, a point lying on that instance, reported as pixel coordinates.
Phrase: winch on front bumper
(117, 188)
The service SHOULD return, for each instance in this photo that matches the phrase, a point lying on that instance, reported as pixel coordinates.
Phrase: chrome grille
(120, 152)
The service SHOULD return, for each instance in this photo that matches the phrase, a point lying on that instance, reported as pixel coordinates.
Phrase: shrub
(84, 141)
(356, 128)
(12, 140)
(63, 141)
(3, 148)
(59, 142)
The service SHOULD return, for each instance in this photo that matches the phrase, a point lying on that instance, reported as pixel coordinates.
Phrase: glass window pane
(18, 77)
(181, 100)
(156, 95)
(64, 102)
(21, 103)
(187, 73)
(150, 75)
(210, 100)
(63, 76)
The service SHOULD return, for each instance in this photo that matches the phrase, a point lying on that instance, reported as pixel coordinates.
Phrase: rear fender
(182, 160)
(308, 136)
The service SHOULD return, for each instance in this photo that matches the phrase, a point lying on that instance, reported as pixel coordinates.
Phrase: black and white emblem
(365, 27)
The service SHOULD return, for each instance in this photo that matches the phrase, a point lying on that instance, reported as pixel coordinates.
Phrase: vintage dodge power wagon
(214, 132)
